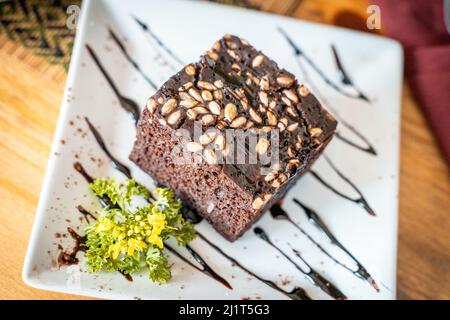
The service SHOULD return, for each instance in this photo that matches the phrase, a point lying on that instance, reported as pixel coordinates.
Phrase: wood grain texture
(30, 94)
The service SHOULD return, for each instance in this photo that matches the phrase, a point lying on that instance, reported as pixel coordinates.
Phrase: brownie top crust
(235, 86)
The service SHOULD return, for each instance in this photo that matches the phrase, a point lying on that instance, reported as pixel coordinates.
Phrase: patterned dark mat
(41, 26)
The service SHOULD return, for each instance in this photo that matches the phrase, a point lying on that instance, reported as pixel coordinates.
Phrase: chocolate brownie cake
(246, 105)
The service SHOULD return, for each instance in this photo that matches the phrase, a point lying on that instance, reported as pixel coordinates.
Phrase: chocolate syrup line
(361, 201)
(207, 270)
(368, 148)
(158, 41)
(70, 258)
(115, 163)
(345, 78)
(130, 59)
(297, 293)
(85, 213)
(278, 213)
(299, 53)
(317, 279)
(315, 219)
(126, 103)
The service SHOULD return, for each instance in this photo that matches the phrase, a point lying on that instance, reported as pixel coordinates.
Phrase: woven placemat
(39, 28)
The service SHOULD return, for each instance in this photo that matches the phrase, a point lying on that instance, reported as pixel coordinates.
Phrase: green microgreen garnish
(128, 237)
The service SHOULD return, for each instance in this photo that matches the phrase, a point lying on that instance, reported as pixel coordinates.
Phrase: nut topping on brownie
(233, 88)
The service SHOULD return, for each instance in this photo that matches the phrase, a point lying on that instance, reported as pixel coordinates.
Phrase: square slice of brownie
(260, 131)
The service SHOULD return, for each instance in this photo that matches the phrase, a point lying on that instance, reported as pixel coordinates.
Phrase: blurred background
(35, 51)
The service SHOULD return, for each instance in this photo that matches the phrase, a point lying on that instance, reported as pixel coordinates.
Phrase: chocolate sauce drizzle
(70, 258)
(361, 201)
(126, 276)
(297, 293)
(317, 279)
(158, 41)
(368, 148)
(126, 103)
(207, 270)
(130, 59)
(315, 219)
(299, 53)
(104, 200)
(86, 214)
(278, 213)
(345, 78)
(115, 163)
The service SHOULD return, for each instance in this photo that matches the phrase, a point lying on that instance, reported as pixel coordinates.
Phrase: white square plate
(189, 28)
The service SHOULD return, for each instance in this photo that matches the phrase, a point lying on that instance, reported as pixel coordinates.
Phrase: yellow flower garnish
(126, 238)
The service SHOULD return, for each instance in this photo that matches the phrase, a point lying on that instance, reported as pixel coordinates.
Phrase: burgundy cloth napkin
(420, 27)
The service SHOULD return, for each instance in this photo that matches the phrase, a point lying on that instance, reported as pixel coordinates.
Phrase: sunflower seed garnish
(230, 112)
(194, 146)
(207, 119)
(257, 203)
(220, 142)
(190, 70)
(169, 106)
(238, 122)
(315, 132)
(192, 114)
(212, 55)
(271, 118)
(174, 117)
(263, 98)
(206, 95)
(303, 90)
(218, 95)
(264, 83)
(151, 105)
(195, 94)
(291, 95)
(201, 110)
(188, 103)
(218, 84)
(210, 156)
(207, 138)
(255, 116)
(292, 127)
(257, 61)
(262, 146)
(285, 81)
(206, 85)
(214, 107)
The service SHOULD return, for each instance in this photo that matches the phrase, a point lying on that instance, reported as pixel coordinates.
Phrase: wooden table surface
(30, 95)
